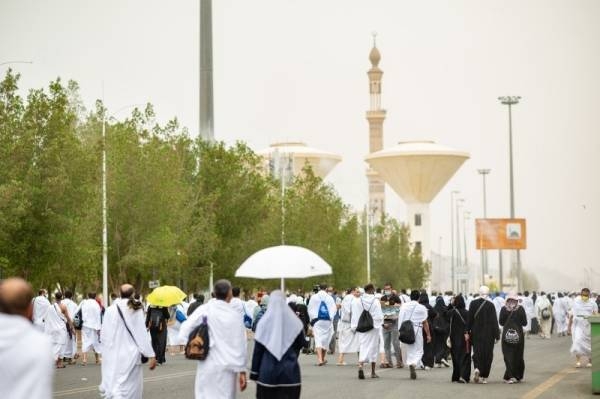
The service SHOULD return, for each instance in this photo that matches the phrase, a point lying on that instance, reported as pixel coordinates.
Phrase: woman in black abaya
(513, 319)
(440, 333)
(460, 347)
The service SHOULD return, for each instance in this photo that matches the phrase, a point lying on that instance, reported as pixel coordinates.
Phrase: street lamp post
(466, 216)
(453, 275)
(484, 265)
(510, 101)
(458, 205)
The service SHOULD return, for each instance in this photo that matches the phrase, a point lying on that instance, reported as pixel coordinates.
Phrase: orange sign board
(501, 233)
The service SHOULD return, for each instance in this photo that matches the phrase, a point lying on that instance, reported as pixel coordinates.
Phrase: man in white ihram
(368, 340)
(91, 314)
(226, 360)
(40, 307)
(124, 340)
(416, 313)
(26, 365)
(321, 310)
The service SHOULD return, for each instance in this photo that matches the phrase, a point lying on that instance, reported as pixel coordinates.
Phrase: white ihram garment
(55, 327)
(26, 364)
(40, 307)
(560, 313)
(173, 336)
(216, 377)
(347, 339)
(545, 325)
(581, 334)
(528, 306)
(368, 341)
(91, 314)
(71, 346)
(417, 313)
(122, 376)
(323, 329)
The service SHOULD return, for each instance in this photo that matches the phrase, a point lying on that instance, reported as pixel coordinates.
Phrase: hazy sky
(296, 70)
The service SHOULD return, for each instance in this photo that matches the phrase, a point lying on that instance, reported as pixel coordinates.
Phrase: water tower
(417, 171)
(295, 155)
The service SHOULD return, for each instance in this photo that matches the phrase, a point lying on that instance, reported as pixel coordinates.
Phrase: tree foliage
(176, 205)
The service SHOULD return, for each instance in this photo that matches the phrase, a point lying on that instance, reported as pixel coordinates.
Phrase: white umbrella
(283, 261)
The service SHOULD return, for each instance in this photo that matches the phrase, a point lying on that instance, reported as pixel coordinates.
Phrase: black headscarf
(459, 302)
(440, 306)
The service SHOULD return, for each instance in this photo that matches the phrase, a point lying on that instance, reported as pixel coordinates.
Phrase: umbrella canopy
(167, 295)
(283, 261)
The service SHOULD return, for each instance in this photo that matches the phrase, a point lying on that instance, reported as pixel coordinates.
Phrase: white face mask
(386, 292)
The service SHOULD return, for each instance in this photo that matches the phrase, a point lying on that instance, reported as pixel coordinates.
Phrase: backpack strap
(478, 309)
(127, 327)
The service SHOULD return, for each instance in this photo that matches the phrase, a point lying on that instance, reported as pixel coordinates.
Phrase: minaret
(206, 70)
(375, 117)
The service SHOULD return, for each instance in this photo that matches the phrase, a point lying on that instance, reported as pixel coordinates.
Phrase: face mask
(585, 298)
(387, 292)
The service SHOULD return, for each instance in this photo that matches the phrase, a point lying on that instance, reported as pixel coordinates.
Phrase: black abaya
(428, 348)
(461, 353)
(513, 353)
(440, 350)
(484, 333)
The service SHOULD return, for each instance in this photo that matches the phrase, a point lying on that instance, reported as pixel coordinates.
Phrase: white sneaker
(476, 376)
(589, 365)
(484, 380)
(445, 363)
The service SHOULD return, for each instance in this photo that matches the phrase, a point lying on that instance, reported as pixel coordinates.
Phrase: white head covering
(292, 298)
(279, 326)
(484, 291)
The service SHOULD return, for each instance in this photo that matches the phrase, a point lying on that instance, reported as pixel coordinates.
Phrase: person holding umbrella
(279, 338)
(157, 319)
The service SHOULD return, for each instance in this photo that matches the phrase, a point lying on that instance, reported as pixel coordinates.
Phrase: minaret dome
(374, 56)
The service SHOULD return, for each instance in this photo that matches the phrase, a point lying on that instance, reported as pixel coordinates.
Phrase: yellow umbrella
(166, 295)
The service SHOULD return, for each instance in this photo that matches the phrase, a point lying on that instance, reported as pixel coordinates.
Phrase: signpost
(153, 284)
(502, 234)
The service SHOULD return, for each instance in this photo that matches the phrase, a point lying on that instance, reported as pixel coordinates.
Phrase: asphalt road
(549, 374)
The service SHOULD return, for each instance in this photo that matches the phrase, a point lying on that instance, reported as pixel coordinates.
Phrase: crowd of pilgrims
(450, 330)
(385, 327)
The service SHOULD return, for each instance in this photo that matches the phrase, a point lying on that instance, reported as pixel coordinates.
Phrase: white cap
(484, 290)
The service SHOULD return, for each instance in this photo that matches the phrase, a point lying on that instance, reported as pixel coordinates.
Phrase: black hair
(68, 294)
(369, 287)
(91, 295)
(235, 291)
(221, 289)
(323, 286)
(199, 297)
(414, 295)
(58, 295)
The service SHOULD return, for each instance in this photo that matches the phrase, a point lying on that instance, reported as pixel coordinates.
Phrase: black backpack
(365, 321)
(156, 319)
(198, 342)
(406, 333)
(78, 320)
